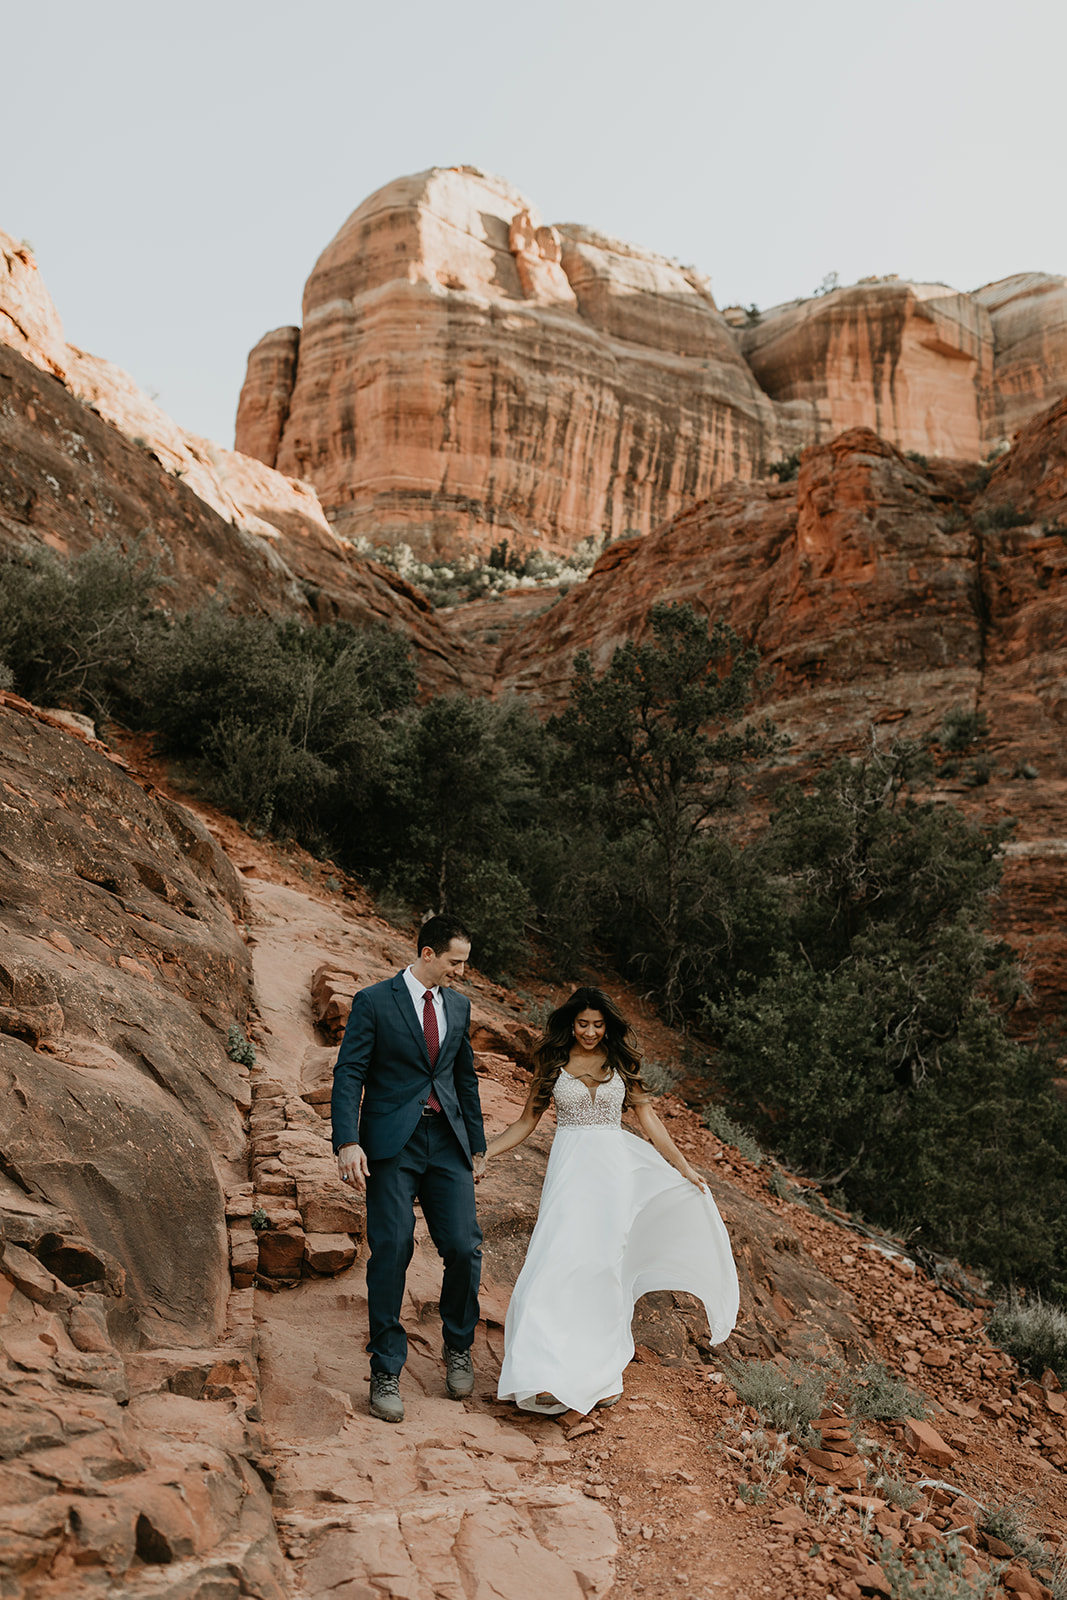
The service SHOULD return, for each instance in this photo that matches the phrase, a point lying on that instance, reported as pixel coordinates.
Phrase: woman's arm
(518, 1131)
(661, 1140)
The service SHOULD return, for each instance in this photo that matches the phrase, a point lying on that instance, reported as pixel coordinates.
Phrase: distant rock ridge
(467, 373)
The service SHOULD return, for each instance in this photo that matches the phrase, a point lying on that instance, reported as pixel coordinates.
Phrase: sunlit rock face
(913, 361)
(467, 374)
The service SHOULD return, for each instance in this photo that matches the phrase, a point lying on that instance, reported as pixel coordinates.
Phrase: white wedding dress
(615, 1222)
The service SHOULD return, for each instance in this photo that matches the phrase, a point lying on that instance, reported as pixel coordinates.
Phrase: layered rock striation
(466, 373)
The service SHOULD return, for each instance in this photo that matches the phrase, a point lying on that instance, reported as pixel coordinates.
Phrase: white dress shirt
(417, 991)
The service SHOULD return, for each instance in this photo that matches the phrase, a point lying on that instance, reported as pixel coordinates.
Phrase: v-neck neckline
(598, 1086)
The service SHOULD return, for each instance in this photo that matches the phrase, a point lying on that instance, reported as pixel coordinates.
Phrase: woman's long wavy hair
(552, 1052)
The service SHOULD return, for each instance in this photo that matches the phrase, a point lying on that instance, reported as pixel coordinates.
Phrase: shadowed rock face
(121, 970)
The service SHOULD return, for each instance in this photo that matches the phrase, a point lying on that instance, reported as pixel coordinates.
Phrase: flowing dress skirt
(615, 1222)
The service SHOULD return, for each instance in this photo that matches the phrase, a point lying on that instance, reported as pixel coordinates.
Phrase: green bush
(962, 728)
(1034, 1333)
(788, 1400)
(73, 633)
(786, 468)
(731, 1133)
(873, 1392)
(1010, 1522)
(240, 1049)
(936, 1574)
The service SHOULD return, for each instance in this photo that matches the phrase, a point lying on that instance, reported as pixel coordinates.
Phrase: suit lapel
(402, 996)
(453, 1025)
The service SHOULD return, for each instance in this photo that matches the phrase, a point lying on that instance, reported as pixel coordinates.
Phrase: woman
(618, 1218)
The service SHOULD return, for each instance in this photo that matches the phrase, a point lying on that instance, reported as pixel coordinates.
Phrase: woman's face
(589, 1029)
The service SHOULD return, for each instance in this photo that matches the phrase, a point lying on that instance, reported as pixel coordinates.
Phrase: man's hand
(352, 1166)
(478, 1166)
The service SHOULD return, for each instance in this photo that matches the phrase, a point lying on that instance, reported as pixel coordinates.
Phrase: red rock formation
(466, 373)
(913, 361)
(128, 1366)
(1029, 317)
(875, 609)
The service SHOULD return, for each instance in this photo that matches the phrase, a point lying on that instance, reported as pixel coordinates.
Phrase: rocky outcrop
(912, 361)
(880, 594)
(68, 478)
(467, 374)
(131, 1443)
(1028, 313)
(85, 455)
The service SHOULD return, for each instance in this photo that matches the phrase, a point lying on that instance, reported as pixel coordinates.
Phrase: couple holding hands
(618, 1217)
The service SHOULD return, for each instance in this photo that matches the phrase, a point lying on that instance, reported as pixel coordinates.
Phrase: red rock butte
(466, 373)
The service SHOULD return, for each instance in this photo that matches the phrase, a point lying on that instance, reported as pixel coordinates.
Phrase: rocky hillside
(881, 593)
(466, 373)
(183, 1314)
(85, 455)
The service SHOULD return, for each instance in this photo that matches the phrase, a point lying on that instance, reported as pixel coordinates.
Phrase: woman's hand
(693, 1176)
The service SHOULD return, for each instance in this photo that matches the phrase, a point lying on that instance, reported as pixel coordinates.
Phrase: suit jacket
(382, 1077)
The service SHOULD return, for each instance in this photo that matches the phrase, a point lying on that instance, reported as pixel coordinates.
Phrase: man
(407, 1123)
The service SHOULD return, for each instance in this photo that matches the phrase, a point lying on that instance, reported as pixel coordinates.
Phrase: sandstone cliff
(466, 373)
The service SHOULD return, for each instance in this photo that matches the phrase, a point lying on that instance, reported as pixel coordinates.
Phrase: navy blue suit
(381, 1083)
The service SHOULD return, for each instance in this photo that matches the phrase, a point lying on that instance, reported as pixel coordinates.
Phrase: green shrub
(789, 1400)
(731, 1133)
(73, 633)
(918, 458)
(7, 677)
(658, 1077)
(1033, 1333)
(1010, 1522)
(1001, 516)
(937, 1574)
(872, 1391)
(238, 1048)
(962, 728)
(786, 468)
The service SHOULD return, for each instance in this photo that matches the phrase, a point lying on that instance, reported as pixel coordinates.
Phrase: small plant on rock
(876, 1393)
(1034, 1333)
(658, 1077)
(240, 1049)
(788, 1399)
(1010, 1523)
(259, 1220)
(786, 468)
(731, 1133)
(937, 1574)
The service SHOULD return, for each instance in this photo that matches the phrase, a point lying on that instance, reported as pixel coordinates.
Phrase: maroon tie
(433, 1042)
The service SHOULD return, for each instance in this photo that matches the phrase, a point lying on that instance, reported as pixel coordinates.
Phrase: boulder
(924, 1441)
(328, 1253)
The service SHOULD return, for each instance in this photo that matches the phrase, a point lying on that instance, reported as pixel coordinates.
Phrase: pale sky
(178, 168)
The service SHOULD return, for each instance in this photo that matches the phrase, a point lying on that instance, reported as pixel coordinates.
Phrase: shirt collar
(420, 989)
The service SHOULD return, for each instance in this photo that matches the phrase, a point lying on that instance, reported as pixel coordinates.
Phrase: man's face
(448, 967)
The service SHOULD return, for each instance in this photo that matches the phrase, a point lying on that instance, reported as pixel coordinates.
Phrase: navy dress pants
(432, 1168)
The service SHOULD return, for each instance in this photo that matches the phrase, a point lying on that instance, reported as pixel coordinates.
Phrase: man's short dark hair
(438, 933)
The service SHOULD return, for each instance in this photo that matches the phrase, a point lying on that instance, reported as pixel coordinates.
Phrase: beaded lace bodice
(576, 1107)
